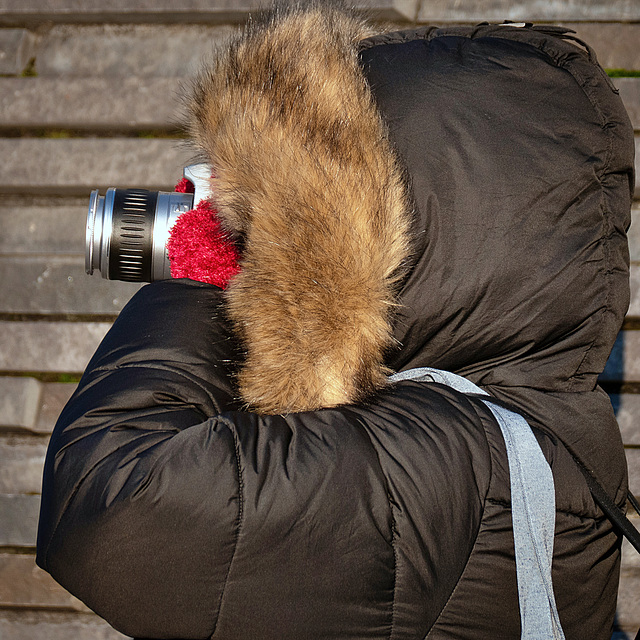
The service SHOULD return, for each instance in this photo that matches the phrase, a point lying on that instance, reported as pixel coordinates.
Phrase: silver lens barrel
(127, 233)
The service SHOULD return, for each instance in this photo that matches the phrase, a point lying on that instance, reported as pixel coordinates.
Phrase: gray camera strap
(533, 509)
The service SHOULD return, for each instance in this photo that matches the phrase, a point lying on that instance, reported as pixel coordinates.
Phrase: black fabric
(520, 156)
(351, 522)
(174, 514)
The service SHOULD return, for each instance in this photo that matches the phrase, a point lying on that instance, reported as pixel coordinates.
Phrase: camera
(128, 229)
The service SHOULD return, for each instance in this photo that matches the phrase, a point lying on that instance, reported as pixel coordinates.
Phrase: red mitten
(198, 248)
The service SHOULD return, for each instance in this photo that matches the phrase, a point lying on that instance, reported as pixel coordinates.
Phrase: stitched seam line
(239, 520)
(394, 529)
(484, 505)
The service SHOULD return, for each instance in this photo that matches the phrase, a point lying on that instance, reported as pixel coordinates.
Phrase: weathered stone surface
(633, 462)
(630, 557)
(634, 233)
(15, 12)
(18, 520)
(53, 227)
(18, 12)
(19, 402)
(167, 51)
(54, 625)
(49, 346)
(630, 93)
(634, 305)
(76, 166)
(624, 362)
(16, 49)
(23, 584)
(628, 612)
(21, 466)
(59, 285)
(627, 408)
(90, 103)
(131, 102)
(528, 10)
(637, 189)
(54, 396)
(615, 42)
(176, 50)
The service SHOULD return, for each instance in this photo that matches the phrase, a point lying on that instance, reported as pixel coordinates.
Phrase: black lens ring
(132, 235)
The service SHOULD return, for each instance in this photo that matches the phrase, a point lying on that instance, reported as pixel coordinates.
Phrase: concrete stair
(88, 99)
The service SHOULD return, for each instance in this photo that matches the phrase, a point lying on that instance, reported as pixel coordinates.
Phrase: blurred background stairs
(89, 99)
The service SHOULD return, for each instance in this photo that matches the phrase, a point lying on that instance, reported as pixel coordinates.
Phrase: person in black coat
(238, 464)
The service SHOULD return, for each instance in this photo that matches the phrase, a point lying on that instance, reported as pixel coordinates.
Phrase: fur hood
(452, 198)
(306, 179)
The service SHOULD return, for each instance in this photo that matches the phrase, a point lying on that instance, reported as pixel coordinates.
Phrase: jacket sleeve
(137, 457)
(173, 514)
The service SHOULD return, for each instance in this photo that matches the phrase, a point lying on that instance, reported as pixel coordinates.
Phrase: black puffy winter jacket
(174, 511)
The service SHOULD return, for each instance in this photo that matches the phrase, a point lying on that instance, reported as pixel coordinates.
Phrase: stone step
(615, 42)
(125, 103)
(18, 520)
(21, 463)
(634, 232)
(636, 193)
(30, 406)
(20, 402)
(76, 166)
(17, 47)
(134, 103)
(54, 625)
(55, 396)
(630, 557)
(51, 226)
(59, 624)
(634, 306)
(175, 51)
(628, 612)
(57, 226)
(49, 346)
(627, 409)
(629, 89)
(43, 407)
(117, 51)
(17, 12)
(19, 511)
(23, 584)
(474, 11)
(59, 285)
(624, 362)
(633, 463)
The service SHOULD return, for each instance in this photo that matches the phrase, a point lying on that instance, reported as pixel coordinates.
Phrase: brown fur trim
(304, 171)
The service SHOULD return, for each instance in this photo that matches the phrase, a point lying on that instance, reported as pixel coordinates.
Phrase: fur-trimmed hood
(427, 198)
(305, 176)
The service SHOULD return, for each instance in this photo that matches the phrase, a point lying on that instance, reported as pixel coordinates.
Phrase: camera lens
(127, 233)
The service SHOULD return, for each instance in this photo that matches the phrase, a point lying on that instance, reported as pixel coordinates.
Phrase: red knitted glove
(198, 248)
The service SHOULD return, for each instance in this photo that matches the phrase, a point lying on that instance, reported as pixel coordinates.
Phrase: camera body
(128, 229)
